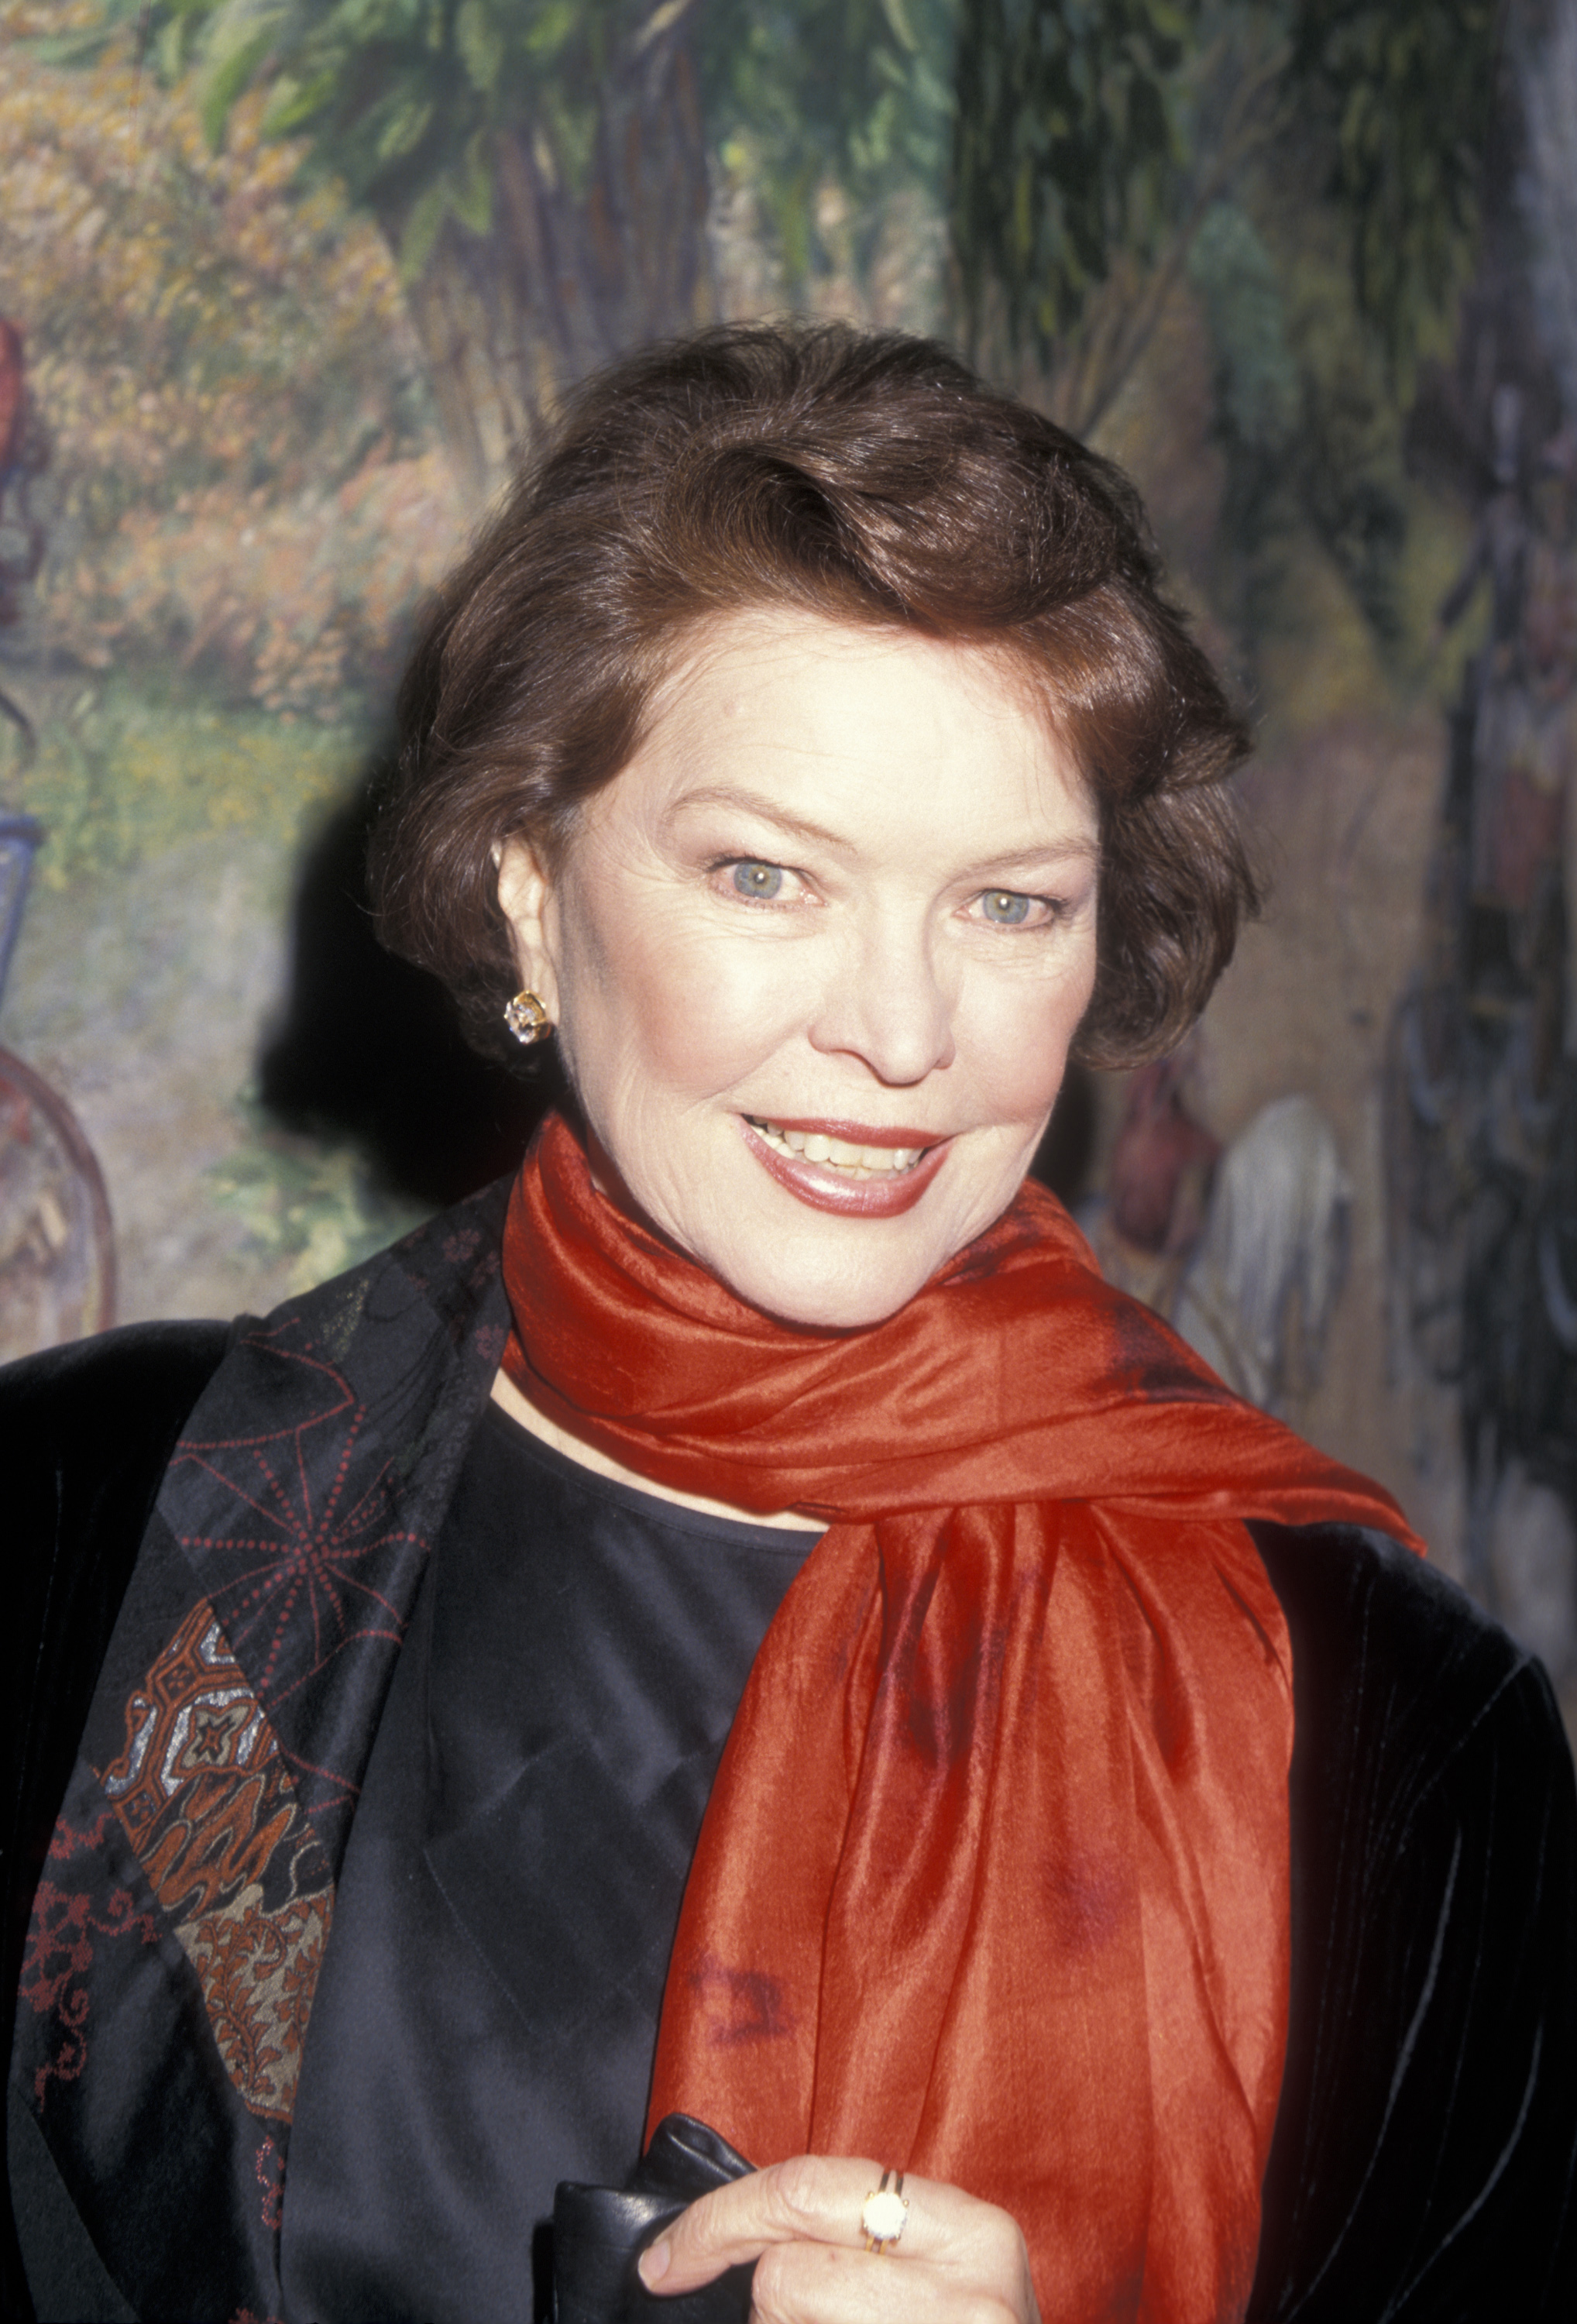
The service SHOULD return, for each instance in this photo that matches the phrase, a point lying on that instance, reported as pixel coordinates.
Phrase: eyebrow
(1025, 859)
(758, 803)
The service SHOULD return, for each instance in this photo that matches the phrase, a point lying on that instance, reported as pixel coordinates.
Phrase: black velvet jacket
(1425, 2151)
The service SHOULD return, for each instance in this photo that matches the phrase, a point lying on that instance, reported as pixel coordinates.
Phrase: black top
(1424, 2163)
(485, 2018)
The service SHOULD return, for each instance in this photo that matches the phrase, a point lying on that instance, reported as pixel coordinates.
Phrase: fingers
(816, 2283)
(801, 2221)
(814, 2198)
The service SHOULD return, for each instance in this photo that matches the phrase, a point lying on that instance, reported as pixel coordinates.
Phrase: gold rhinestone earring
(527, 1019)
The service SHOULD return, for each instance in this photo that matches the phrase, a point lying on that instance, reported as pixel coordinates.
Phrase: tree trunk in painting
(569, 276)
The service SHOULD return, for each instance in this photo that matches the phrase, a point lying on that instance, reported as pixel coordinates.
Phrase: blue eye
(1004, 909)
(759, 882)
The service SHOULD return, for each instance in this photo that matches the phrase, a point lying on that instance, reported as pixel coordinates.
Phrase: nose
(886, 1003)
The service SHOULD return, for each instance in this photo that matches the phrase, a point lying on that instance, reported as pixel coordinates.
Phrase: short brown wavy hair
(871, 478)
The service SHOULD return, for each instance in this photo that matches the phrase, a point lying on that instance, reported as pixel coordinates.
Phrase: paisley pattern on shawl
(212, 1816)
(191, 1876)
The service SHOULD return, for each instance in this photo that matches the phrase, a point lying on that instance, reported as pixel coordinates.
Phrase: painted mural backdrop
(290, 286)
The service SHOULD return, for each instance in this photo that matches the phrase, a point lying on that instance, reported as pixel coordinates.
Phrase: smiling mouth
(850, 1158)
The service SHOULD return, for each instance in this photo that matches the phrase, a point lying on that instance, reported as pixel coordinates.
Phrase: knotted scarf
(992, 1885)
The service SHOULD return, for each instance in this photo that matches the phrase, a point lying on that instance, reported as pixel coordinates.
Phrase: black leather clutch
(600, 2232)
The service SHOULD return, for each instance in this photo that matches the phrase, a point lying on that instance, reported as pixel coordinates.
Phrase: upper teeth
(816, 1147)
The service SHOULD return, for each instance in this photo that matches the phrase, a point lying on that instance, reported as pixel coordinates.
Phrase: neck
(520, 1407)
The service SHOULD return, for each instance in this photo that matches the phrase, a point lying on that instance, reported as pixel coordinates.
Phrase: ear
(525, 896)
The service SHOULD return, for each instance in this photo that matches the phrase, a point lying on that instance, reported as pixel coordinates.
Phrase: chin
(833, 1297)
(828, 1274)
(838, 1311)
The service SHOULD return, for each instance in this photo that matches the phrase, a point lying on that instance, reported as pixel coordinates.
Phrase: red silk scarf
(992, 1885)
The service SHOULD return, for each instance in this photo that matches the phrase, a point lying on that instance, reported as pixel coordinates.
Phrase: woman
(743, 1623)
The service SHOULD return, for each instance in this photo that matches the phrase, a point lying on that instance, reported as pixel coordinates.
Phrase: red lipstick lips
(856, 1133)
(874, 1197)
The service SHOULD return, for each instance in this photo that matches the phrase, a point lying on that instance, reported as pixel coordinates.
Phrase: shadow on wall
(1066, 1155)
(368, 1049)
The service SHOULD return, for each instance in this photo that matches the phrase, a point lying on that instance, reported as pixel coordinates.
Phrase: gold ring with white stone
(886, 2209)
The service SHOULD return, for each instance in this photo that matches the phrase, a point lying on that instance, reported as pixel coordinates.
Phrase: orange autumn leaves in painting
(244, 478)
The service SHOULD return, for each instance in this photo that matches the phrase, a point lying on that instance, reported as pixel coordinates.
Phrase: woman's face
(816, 955)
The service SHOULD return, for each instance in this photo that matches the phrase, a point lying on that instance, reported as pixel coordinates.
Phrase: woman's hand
(956, 2259)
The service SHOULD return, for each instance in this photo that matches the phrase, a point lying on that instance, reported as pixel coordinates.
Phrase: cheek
(675, 1013)
(1020, 1044)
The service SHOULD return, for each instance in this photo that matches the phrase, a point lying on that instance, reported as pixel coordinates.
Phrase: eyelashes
(755, 879)
(1007, 907)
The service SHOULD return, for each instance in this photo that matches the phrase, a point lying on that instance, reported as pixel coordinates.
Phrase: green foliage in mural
(1094, 138)
(1070, 143)
(244, 484)
(1258, 404)
(1309, 167)
(541, 168)
(127, 770)
(535, 166)
(401, 99)
(1347, 459)
(540, 172)
(404, 99)
(1259, 390)
(1303, 414)
(314, 1205)
(809, 93)
(1406, 96)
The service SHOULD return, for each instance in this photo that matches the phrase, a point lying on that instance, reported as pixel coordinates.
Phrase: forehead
(804, 710)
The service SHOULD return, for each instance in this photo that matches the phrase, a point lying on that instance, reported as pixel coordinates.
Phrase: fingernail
(654, 2263)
